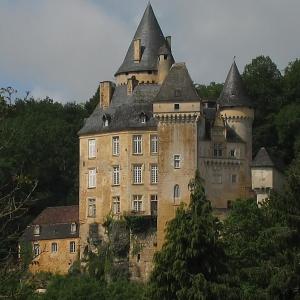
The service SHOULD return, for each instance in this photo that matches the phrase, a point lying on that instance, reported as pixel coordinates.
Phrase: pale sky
(64, 48)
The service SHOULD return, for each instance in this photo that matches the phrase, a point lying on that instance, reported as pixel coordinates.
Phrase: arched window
(106, 120)
(143, 117)
(176, 192)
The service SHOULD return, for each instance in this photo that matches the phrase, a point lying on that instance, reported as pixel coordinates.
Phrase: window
(137, 203)
(72, 247)
(176, 106)
(92, 208)
(36, 230)
(153, 205)
(116, 175)
(54, 247)
(176, 192)
(73, 228)
(232, 153)
(92, 178)
(154, 174)
(92, 148)
(217, 178)
(137, 174)
(153, 144)
(137, 144)
(36, 249)
(116, 205)
(229, 204)
(115, 145)
(177, 161)
(233, 178)
(143, 118)
(218, 150)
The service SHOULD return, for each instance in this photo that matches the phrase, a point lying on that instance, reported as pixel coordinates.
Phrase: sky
(64, 48)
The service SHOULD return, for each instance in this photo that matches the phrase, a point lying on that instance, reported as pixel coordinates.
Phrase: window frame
(116, 175)
(137, 173)
(36, 249)
(153, 174)
(218, 149)
(54, 247)
(154, 144)
(176, 192)
(92, 154)
(92, 183)
(115, 145)
(91, 207)
(177, 161)
(72, 247)
(137, 203)
(73, 228)
(137, 144)
(116, 205)
(153, 200)
(235, 181)
(36, 230)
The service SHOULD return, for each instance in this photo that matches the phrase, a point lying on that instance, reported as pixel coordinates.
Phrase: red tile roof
(58, 215)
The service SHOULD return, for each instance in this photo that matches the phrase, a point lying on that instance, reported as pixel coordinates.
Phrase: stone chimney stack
(137, 50)
(106, 92)
(131, 84)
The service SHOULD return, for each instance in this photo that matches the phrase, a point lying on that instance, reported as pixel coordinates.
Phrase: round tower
(165, 61)
(237, 109)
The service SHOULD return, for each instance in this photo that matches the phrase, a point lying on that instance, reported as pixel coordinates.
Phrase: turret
(149, 56)
(165, 60)
(237, 108)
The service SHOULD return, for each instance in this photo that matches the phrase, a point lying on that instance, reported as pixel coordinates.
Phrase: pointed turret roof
(178, 86)
(152, 39)
(233, 93)
(262, 159)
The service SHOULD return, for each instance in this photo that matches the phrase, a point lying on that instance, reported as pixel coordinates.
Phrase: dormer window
(106, 120)
(73, 228)
(36, 230)
(143, 118)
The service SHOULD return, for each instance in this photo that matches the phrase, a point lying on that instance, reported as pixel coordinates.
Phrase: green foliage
(93, 102)
(141, 224)
(192, 258)
(292, 81)
(211, 91)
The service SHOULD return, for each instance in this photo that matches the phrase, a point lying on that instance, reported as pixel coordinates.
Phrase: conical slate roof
(178, 86)
(262, 159)
(233, 93)
(152, 39)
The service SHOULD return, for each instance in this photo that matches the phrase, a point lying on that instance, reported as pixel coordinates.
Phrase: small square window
(176, 106)
(177, 161)
(72, 247)
(73, 228)
(54, 247)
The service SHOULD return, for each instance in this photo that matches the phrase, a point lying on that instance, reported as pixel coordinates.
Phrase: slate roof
(264, 159)
(178, 86)
(124, 111)
(233, 93)
(152, 41)
(55, 223)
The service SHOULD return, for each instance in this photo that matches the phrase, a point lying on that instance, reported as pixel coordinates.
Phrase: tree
(291, 81)
(192, 258)
(211, 91)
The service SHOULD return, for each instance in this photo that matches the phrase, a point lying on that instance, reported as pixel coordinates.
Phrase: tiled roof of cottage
(233, 93)
(152, 42)
(58, 214)
(54, 223)
(178, 86)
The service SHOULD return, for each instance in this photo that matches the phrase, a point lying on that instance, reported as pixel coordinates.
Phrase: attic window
(143, 118)
(178, 93)
(106, 120)
(176, 106)
(36, 230)
(73, 228)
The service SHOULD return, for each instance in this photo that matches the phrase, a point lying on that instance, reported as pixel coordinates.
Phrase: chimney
(137, 50)
(168, 40)
(131, 84)
(106, 92)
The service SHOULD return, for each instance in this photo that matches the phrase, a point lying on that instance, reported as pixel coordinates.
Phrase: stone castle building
(149, 134)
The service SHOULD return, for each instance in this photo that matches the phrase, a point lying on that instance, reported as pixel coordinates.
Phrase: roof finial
(234, 58)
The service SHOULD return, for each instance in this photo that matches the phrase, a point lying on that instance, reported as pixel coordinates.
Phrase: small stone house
(54, 237)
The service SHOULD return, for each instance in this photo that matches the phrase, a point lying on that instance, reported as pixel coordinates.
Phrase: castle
(141, 147)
